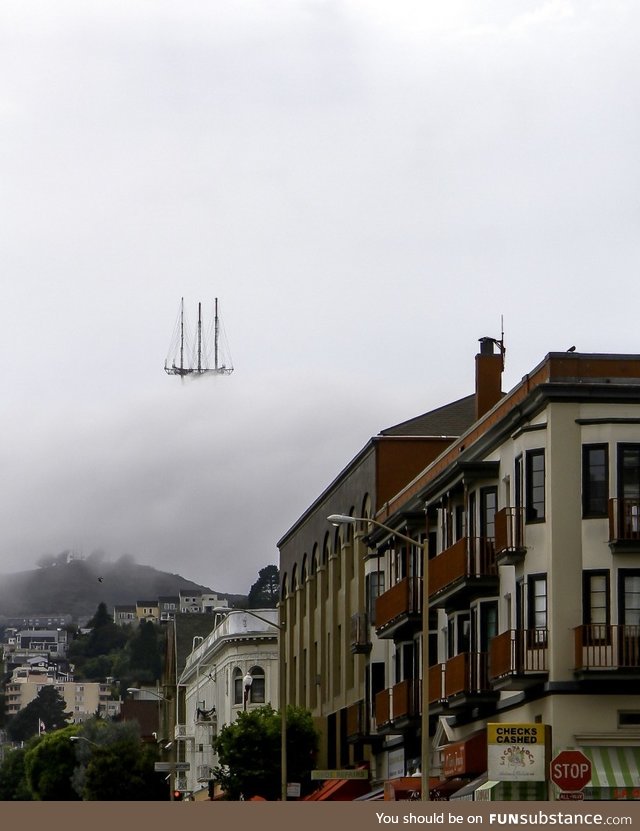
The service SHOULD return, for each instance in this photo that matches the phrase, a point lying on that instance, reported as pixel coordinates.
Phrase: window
(537, 609)
(375, 584)
(629, 598)
(458, 634)
(257, 695)
(595, 605)
(237, 686)
(629, 718)
(488, 505)
(595, 480)
(535, 485)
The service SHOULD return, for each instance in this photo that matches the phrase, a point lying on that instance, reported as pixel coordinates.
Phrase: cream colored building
(531, 520)
(83, 699)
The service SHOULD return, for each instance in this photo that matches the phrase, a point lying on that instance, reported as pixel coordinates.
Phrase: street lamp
(82, 739)
(171, 745)
(343, 519)
(282, 694)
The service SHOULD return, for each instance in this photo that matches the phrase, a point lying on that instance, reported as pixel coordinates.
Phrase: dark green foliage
(48, 707)
(265, 591)
(132, 653)
(145, 653)
(249, 751)
(13, 781)
(49, 766)
(122, 768)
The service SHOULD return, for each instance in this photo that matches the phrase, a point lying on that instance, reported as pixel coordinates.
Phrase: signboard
(466, 757)
(570, 797)
(517, 752)
(293, 790)
(167, 767)
(339, 774)
(570, 770)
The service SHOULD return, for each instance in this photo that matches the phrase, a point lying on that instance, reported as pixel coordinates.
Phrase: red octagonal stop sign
(570, 770)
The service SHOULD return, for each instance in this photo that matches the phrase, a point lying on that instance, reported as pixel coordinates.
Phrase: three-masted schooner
(187, 357)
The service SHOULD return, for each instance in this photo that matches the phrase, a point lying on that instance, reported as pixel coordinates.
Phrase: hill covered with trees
(76, 587)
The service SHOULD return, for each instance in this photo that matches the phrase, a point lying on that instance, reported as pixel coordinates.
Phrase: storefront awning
(372, 796)
(493, 791)
(467, 792)
(339, 790)
(613, 768)
(408, 788)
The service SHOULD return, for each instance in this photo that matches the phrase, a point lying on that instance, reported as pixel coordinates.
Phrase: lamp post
(171, 745)
(282, 695)
(83, 739)
(344, 519)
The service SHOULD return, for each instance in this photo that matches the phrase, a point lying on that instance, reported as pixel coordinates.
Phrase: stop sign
(570, 770)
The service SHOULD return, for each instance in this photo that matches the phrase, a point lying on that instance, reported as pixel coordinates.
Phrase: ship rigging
(207, 353)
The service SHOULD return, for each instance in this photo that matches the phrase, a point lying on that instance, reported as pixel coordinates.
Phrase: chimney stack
(489, 366)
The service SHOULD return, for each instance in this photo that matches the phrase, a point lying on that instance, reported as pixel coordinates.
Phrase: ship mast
(182, 336)
(199, 337)
(215, 337)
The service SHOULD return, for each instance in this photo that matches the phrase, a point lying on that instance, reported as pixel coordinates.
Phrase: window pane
(535, 485)
(595, 480)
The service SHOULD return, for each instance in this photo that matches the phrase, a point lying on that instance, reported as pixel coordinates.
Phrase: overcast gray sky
(367, 186)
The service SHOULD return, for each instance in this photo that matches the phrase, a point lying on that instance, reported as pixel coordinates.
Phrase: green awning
(493, 791)
(613, 767)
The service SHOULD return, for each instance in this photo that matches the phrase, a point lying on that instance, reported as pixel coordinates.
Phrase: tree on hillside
(94, 654)
(145, 653)
(249, 753)
(47, 707)
(264, 593)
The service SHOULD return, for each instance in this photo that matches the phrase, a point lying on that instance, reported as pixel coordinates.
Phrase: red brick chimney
(489, 366)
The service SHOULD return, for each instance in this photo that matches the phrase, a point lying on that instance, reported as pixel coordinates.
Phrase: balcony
(509, 540)
(359, 724)
(183, 731)
(518, 658)
(607, 651)
(461, 682)
(465, 570)
(397, 708)
(624, 525)
(360, 634)
(399, 608)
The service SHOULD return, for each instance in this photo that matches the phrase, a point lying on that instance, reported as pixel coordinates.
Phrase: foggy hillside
(77, 587)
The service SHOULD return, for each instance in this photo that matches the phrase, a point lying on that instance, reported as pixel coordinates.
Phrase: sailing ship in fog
(199, 351)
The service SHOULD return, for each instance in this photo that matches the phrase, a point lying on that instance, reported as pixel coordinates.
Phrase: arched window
(257, 695)
(237, 686)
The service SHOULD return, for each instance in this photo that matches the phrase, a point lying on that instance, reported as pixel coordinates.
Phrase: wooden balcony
(465, 570)
(359, 727)
(400, 608)
(624, 525)
(397, 708)
(603, 650)
(461, 682)
(360, 634)
(518, 658)
(509, 540)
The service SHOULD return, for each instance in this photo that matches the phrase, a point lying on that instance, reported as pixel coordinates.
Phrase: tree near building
(264, 593)
(45, 711)
(249, 753)
(49, 765)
